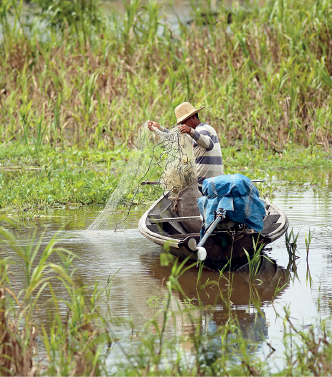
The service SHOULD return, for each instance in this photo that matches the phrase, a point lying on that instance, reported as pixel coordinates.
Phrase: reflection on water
(227, 295)
(226, 291)
(139, 280)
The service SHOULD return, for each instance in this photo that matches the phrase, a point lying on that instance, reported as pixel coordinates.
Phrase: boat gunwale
(161, 240)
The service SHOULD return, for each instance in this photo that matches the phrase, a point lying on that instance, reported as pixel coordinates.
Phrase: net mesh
(178, 166)
(169, 155)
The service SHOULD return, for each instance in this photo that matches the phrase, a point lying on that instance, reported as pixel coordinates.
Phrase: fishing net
(178, 166)
(167, 155)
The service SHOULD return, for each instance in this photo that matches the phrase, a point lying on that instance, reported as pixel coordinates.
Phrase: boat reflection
(219, 297)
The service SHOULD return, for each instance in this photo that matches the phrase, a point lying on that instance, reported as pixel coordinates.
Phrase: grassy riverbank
(72, 95)
(265, 78)
(60, 178)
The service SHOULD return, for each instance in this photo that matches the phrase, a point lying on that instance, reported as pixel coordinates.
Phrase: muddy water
(180, 10)
(138, 285)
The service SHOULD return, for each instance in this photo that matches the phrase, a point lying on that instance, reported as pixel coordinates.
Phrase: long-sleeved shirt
(207, 152)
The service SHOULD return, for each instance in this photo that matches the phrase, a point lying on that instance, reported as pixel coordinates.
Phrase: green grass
(265, 79)
(73, 94)
(64, 177)
(72, 177)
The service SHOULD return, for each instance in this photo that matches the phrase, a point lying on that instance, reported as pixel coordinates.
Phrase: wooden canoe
(162, 225)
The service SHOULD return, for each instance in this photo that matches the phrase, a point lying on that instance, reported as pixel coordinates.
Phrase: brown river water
(139, 279)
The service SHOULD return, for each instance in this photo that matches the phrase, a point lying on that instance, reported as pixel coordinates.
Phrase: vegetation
(74, 89)
(71, 345)
(75, 86)
(66, 177)
(79, 337)
(73, 81)
(264, 77)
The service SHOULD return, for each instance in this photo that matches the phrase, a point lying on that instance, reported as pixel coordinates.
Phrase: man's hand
(184, 129)
(152, 124)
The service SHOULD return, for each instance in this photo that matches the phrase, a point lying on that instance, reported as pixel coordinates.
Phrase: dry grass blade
(92, 85)
(17, 347)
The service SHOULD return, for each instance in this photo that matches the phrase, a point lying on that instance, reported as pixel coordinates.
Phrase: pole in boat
(199, 249)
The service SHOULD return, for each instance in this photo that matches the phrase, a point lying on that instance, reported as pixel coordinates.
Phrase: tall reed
(264, 77)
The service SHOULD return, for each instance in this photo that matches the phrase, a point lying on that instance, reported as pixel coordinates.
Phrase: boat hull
(221, 247)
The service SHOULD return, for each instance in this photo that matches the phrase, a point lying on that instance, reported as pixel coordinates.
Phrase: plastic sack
(237, 195)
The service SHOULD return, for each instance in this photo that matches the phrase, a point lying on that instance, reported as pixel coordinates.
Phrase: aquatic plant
(65, 96)
(291, 246)
(307, 349)
(75, 13)
(72, 343)
(254, 259)
(307, 240)
(80, 339)
(73, 177)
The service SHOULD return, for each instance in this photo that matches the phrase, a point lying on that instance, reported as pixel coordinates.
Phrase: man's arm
(154, 125)
(202, 138)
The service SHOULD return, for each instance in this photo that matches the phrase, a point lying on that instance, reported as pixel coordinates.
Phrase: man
(205, 141)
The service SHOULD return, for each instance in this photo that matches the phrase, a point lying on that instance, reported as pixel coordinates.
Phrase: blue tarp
(237, 195)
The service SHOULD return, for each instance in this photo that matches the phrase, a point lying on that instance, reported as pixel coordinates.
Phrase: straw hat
(185, 111)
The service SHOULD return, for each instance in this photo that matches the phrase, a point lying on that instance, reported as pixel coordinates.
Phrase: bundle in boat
(237, 196)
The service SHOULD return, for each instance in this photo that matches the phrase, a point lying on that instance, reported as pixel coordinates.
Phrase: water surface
(138, 286)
